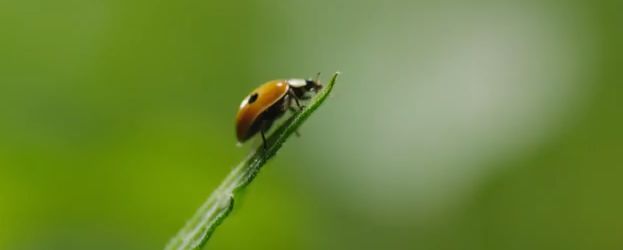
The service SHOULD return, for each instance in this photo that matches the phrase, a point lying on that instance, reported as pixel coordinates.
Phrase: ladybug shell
(255, 104)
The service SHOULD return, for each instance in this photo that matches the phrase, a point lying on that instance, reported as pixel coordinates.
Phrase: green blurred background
(455, 124)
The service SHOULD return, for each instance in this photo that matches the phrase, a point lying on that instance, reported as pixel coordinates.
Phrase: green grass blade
(200, 227)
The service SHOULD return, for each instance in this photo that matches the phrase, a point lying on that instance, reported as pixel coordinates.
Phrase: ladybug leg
(296, 99)
(264, 127)
(288, 104)
(293, 110)
(263, 139)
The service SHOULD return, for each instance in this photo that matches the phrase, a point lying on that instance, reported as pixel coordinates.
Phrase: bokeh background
(455, 124)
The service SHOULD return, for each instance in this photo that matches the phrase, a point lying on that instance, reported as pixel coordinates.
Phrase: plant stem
(200, 227)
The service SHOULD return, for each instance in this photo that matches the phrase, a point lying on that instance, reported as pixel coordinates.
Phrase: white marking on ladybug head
(297, 83)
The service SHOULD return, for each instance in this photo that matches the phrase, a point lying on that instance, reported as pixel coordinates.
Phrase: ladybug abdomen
(266, 119)
(259, 109)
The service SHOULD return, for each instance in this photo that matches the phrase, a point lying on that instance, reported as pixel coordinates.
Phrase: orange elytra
(259, 110)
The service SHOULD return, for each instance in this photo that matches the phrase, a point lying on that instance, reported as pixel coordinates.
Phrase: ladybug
(259, 110)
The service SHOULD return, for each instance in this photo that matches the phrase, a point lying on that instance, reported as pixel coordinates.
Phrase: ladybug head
(313, 84)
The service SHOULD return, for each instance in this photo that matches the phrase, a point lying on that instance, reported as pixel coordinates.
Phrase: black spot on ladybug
(253, 98)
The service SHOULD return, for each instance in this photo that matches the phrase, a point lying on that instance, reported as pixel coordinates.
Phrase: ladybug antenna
(317, 84)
